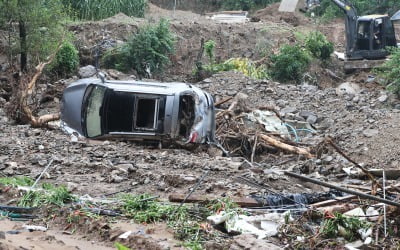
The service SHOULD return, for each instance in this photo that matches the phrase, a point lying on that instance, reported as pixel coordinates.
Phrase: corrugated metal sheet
(288, 5)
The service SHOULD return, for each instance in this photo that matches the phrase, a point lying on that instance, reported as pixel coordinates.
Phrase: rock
(288, 110)
(370, 132)
(397, 106)
(306, 114)
(87, 71)
(116, 178)
(312, 119)
(347, 88)
(126, 167)
(2, 235)
(71, 186)
(383, 98)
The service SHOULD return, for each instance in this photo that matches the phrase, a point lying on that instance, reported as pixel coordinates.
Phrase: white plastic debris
(372, 213)
(268, 223)
(125, 235)
(356, 212)
(35, 228)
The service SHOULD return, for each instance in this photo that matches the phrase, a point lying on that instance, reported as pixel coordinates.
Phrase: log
(286, 147)
(242, 202)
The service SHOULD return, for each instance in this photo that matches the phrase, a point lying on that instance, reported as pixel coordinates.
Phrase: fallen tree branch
(27, 91)
(286, 147)
(365, 171)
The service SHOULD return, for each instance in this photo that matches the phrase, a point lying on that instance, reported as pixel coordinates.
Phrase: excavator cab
(374, 34)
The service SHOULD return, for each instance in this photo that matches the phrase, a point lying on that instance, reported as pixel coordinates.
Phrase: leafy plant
(390, 71)
(290, 64)
(209, 47)
(318, 45)
(147, 51)
(348, 227)
(119, 246)
(100, 9)
(66, 61)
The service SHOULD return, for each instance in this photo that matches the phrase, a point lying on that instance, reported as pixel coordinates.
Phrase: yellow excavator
(366, 36)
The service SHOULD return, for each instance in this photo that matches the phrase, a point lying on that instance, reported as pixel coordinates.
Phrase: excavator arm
(351, 25)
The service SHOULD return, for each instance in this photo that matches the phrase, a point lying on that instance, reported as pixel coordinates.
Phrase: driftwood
(286, 147)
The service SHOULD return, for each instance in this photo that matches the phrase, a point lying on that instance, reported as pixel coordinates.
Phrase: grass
(16, 181)
(186, 222)
(50, 195)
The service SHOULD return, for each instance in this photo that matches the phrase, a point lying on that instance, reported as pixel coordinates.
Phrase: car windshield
(93, 117)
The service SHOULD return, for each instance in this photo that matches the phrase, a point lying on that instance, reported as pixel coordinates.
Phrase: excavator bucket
(288, 5)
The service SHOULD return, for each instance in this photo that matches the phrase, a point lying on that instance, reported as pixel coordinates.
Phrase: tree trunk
(23, 46)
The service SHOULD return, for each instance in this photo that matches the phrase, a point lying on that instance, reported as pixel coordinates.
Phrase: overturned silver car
(147, 111)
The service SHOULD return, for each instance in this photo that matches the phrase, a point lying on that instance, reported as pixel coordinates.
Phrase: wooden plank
(241, 201)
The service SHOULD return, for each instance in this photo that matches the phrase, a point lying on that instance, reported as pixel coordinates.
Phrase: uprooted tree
(34, 31)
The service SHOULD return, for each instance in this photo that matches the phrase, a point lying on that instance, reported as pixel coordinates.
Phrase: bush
(147, 51)
(318, 45)
(100, 9)
(66, 61)
(390, 71)
(290, 63)
(237, 4)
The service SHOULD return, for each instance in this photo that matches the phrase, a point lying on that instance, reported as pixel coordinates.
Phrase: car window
(93, 117)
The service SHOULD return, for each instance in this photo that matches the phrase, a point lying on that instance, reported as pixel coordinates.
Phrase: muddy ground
(364, 121)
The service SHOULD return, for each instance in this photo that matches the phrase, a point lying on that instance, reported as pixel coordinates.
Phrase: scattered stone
(87, 71)
(383, 98)
(370, 132)
(347, 88)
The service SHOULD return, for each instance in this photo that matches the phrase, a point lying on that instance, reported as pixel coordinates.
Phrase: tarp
(396, 16)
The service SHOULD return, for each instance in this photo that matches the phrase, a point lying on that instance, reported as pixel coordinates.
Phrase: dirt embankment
(252, 40)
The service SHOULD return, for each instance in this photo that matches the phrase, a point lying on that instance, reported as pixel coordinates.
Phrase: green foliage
(66, 61)
(42, 21)
(147, 51)
(16, 181)
(318, 45)
(290, 63)
(390, 71)
(341, 225)
(209, 47)
(143, 208)
(328, 10)
(49, 195)
(245, 5)
(100, 9)
(237, 4)
(119, 246)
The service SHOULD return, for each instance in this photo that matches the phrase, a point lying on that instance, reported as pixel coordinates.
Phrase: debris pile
(246, 132)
